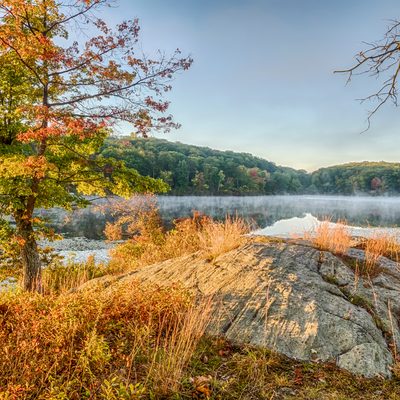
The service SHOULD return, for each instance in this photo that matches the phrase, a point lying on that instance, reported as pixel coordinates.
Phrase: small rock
(287, 391)
(368, 359)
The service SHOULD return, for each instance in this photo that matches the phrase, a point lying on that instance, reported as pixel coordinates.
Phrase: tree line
(194, 170)
(357, 178)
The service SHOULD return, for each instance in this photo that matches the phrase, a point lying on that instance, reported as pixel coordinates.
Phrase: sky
(262, 81)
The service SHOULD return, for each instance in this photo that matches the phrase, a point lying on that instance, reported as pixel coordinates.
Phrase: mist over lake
(265, 211)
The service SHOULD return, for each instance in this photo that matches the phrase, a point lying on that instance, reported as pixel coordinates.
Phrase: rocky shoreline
(80, 248)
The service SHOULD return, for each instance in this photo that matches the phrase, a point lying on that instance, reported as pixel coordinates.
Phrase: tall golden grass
(382, 243)
(58, 278)
(378, 243)
(132, 341)
(327, 236)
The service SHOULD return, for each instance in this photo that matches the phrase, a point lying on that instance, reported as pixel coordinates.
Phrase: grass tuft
(327, 236)
(382, 243)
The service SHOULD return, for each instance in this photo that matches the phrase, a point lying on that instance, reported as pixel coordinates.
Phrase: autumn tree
(376, 183)
(381, 57)
(59, 99)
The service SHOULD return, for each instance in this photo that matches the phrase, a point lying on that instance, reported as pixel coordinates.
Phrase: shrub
(85, 345)
(11, 263)
(59, 277)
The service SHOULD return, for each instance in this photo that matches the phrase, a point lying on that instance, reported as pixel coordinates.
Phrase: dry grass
(171, 357)
(337, 238)
(138, 342)
(58, 277)
(220, 237)
(118, 344)
(377, 244)
(148, 243)
(247, 373)
(138, 219)
(382, 243)
(370, 267)
(326, 236)
(146, 342)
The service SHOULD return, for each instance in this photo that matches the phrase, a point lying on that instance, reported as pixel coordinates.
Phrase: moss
(344, 290)
(383, 326)
(364, 268)
(331, 279)
(360, 301)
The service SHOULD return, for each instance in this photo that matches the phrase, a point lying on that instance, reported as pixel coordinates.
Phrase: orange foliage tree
(70, 95)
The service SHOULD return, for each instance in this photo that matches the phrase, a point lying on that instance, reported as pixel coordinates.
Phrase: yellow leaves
(14, 166)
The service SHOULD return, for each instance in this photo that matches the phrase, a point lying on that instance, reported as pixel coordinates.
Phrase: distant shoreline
(368, 196)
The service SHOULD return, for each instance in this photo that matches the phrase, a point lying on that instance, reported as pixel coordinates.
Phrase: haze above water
(273, 214)
(276, 215)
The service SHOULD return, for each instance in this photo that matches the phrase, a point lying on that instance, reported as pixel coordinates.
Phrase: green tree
(182, 175)
(199, 183)
(166, 176)
(294, 185)
(65, 99)
(221, 177)
(282, 181)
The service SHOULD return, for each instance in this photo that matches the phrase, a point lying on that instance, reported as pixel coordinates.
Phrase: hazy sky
(262, 81)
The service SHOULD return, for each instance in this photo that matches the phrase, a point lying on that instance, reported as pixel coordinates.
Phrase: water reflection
(290, 226)
(298, 226)
(269, 212)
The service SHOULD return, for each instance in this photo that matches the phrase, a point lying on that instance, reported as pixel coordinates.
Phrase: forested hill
(357, 178)
(201, 170)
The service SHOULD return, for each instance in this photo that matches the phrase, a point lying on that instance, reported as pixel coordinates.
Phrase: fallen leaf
(297, 377)
(204, 390)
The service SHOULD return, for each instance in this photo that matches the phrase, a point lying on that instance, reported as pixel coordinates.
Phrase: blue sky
(262, 81)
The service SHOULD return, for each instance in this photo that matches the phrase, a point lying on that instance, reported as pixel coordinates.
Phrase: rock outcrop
(293, 299)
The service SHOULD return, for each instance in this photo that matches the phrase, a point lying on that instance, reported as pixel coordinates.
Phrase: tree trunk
(32, 269)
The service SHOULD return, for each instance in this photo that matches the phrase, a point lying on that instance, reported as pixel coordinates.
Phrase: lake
(272, 214)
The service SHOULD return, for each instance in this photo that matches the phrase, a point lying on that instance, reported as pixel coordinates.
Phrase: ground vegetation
(147, 342)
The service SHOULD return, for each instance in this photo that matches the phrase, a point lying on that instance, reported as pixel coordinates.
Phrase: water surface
(272, 214)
